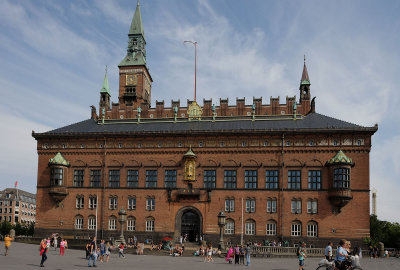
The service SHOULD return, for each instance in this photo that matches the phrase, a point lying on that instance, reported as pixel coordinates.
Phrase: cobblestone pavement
(26, 256)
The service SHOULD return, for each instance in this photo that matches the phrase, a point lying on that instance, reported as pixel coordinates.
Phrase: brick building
(279, 171)
(17, 206)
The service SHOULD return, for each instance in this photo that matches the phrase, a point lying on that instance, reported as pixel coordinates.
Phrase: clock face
(131, 79)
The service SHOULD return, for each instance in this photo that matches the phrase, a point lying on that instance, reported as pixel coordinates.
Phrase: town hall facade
(279, 171)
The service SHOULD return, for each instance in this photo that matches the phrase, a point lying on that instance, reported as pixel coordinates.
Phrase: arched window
(230, 226)
(296, 228)
(250, 227)
(312, 229)
(271, 227)
(131, 224)
(150, 224)
(91, 223)
(112, 223)
(78, 222)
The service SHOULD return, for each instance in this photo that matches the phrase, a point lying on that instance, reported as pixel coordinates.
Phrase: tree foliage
(385, 232)
(20, 228)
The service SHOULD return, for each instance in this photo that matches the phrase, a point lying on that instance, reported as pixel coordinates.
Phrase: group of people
(343, 253)
(100, 252)
(237, 253)
(45, 245)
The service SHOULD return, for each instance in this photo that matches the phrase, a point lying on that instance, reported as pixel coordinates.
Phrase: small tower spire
(136, 24)
(104, 94)
(105, 88)
(305, 84)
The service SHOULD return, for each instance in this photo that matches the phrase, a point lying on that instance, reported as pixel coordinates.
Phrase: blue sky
(53, 56)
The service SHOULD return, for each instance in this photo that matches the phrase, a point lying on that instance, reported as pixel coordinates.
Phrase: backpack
(298, 251)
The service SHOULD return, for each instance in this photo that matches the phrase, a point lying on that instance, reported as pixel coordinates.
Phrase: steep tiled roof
(312, 122)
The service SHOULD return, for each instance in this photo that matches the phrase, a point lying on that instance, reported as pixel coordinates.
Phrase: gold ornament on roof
(194, 111)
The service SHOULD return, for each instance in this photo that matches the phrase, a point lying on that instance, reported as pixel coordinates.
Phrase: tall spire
(136, 52)
(305, 80)
(136, 25)
(105, 88)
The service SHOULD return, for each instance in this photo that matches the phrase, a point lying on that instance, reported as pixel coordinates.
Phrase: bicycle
(327, 265)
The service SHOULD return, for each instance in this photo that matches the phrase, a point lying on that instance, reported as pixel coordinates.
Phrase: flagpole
(241, 235)
(95, 234)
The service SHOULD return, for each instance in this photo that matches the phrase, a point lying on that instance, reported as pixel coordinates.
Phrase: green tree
(5, 227)
(384, 231)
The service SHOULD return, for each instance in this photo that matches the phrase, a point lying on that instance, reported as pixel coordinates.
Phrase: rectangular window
(113, 178)
(296, 229)
(78, 178)
(150, 204)
(314, 180)
(209, 178)
(92, 202)
(312, 206)
(112, 224)
(230, 179)
(79, 202)
(296, 206)
(170, 179)
(132, 179)
(229, 205)
(230, 227)
(271, 179)
(56, 176)
(78, 223)
(151, 178)
(341, 178)
(271, 228)
(150, 225)
(250, 205)
(294, 179)
(131, 203)
(271, 205)
(131, 224)
(95, 178)
(312, 230)
(92, 223)
(250, 179)
(250, 228)
(113, 203)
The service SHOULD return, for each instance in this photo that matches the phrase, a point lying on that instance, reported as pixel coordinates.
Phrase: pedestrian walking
(43, 252)
(55, 242)
(237, 254)
(62, 247)
(328, 251)
(92, 256)
(121, 251)
(108, 251)
(302, 255)
(7, 244)
(241, 256)
(102, 250)
(248, 253)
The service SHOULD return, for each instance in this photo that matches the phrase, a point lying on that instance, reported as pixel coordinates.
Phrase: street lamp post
(122, 220)
(221, 224)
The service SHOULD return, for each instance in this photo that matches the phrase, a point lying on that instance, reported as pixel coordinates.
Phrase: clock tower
(134, 77)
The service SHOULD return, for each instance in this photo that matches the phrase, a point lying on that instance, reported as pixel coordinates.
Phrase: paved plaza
(26, 256)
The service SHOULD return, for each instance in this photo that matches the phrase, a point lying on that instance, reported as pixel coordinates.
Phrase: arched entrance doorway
(188, 221)
(190, 226)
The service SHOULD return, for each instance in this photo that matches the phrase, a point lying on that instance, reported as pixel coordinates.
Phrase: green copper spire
(136, 25)
(136, 52)
(105, 88)
(305, 80)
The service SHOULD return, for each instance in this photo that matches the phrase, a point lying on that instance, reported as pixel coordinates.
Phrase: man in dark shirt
(92, 255)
